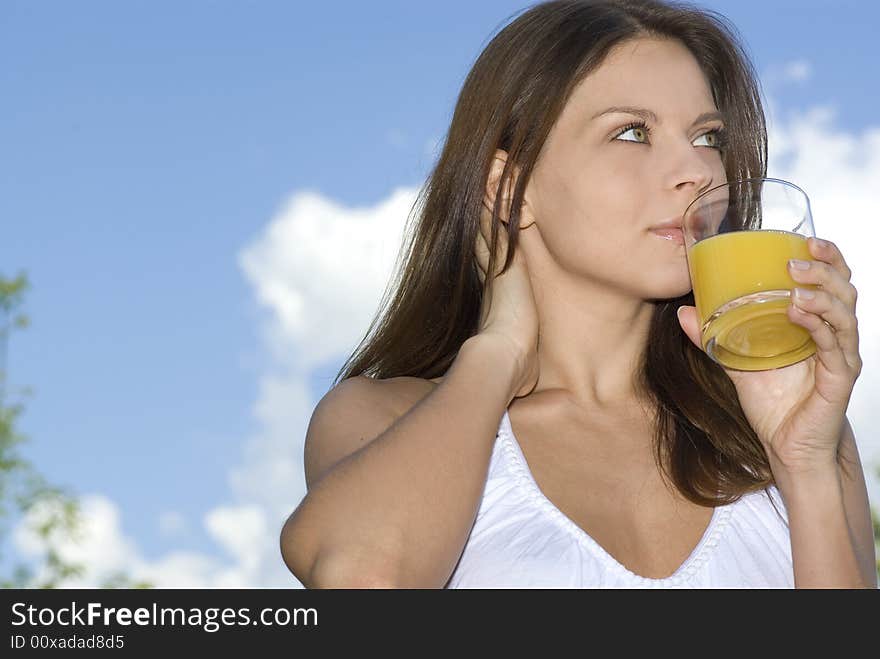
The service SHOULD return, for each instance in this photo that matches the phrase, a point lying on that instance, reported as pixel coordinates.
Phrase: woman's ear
(492, 181)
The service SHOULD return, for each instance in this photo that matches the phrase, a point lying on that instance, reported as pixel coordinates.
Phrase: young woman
(556, 424)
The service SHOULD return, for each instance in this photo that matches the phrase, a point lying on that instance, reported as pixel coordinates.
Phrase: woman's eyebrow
(647, 114)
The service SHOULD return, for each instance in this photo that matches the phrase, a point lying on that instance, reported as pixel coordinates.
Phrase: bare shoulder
(354, 413)
(404, 392)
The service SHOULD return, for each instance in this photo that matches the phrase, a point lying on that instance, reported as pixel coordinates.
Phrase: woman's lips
(672, 234)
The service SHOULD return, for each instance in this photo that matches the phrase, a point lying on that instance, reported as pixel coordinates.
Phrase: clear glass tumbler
(738, 239)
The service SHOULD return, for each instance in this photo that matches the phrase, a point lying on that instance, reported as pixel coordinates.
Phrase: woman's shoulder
(394, 397)
(353, 413)
(401, 393)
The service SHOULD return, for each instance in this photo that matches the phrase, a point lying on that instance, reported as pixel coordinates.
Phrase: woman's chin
(670, 294)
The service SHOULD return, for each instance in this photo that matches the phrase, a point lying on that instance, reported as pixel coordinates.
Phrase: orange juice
(742, 289)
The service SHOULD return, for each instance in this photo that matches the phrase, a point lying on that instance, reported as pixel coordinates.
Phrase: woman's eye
(712, 138)
(640, 133)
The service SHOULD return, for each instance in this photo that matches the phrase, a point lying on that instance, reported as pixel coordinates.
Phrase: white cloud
(797, 71)
(271, 471)
(103, 548)
(172, 523)
(99, 543)
(179, 569)
(779, 76)
(319, 270)
(238, 530)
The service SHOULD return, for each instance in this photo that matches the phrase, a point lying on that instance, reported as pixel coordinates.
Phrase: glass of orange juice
(738, 239)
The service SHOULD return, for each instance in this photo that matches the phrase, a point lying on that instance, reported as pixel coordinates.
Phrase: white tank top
(520, 539)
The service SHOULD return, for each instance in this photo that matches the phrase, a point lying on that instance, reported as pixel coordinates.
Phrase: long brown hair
(511, 98)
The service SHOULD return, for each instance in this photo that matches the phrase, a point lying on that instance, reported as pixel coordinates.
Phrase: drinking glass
(738, 239)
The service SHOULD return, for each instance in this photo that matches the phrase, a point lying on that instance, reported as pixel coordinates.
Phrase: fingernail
(804, 294)
(822, 244)
(799, 265)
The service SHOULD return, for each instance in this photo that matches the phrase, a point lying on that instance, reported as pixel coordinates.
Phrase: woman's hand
(509, 314)
(799, 411)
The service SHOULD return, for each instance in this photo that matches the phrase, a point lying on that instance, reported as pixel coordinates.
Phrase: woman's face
(599, 186)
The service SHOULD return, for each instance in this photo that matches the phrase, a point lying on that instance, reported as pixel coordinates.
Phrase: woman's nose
(692, 170)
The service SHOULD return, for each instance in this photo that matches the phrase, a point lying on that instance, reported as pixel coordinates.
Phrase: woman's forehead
(661, 76)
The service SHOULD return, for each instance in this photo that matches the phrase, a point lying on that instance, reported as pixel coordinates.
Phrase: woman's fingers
(825, 250)
(825, 274)
(834, 302)
(483, 240)
(832, 326)
(481, 246)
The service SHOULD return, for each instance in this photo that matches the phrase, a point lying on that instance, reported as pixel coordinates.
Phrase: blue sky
(147, 145)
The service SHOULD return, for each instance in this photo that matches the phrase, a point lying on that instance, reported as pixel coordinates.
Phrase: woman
(556, 424)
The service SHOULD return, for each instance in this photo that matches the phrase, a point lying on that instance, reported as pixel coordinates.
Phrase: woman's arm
(397, 511)
(832, 539)
(857, 504)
